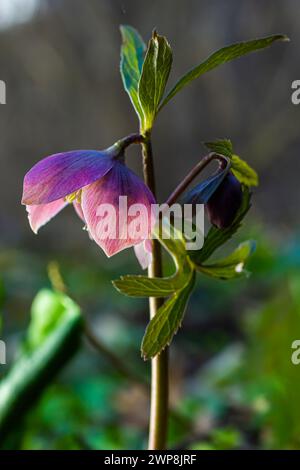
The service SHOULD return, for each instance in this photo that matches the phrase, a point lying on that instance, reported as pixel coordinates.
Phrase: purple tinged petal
(62, 174)
(41, 214)
(103, 212)
(143, 252)
(203, 191)
(78, 210)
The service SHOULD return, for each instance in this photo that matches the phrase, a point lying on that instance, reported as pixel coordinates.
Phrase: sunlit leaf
(143, 286)
(177, 287)
(233, 266)
(220, 57)
(243, 172)
(222, 146)
(132, 58)
(155, 74)
(166, 322)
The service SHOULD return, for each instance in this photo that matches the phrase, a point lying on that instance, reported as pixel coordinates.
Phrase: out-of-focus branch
(115, 361)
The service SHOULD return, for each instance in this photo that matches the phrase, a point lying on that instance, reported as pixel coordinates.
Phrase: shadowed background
(64, 92)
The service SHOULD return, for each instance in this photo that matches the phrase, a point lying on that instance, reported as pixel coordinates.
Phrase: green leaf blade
(232, 266)
(154, 77)
(132, 58)
(222, 146)
(166, 322)
(143, 286)
(220, 57)
(243, 172)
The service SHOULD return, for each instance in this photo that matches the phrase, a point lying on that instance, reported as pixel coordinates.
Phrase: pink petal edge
(143, 252)
(78, 210)
(39, 215)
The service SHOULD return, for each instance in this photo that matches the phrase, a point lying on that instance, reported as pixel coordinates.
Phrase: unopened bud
(223, 205)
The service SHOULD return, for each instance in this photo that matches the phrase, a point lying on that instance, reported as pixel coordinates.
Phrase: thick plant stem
(159, 365)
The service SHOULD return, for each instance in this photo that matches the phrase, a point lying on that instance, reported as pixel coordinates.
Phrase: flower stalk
(129, 140)
(159, 403)
(195, 171)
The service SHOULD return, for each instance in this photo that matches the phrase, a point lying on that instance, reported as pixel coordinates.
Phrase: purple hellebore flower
(88, 179)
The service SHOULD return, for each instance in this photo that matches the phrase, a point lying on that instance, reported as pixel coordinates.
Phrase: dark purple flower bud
(223, 205)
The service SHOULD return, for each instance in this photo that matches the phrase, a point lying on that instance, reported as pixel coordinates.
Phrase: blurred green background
(232, 381)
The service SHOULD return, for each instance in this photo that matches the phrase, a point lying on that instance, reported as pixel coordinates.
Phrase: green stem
(129, 140)
(159, 365)
(183, 185)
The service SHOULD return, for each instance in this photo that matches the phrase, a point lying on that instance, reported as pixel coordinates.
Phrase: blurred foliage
(52, 338)
(233, 383)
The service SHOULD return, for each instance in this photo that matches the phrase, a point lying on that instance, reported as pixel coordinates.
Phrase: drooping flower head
(221, 194)
(93, 181)
(223, 205)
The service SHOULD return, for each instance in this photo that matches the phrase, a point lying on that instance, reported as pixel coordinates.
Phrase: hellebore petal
(62, 174)
(225, 202)
(41, 214)
(113, 221)
(202, 192)
(143, 252)
(78, 210)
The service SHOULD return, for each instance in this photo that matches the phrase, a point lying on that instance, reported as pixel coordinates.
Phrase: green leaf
(132, 58)
(172, 240)
(143, 286)
(220, 57)
(53, 338)
(166, 322)
(232, 266)
(216, 237)
(243, 172)
(155, 74)
(222, 146)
